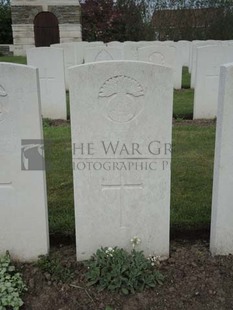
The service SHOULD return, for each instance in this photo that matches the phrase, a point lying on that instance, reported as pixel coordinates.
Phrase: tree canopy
(5, 22)
(120, 20)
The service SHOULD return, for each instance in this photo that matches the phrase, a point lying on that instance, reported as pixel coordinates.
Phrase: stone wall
(68, 13)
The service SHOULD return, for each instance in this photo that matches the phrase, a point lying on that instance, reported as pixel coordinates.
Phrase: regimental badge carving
(3, 103)
(122, 97)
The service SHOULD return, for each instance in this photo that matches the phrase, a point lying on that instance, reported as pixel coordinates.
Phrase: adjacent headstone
(194, 57)
(184, 50)
(99, 53)
(209, 60)
(70, 58)
(96, 43)
(50, 62)
(191, 53)
(178, 64)
(121, 118)
(114, 44)
(221, 239)
(160, 54)
(23, 201)
(130, 50)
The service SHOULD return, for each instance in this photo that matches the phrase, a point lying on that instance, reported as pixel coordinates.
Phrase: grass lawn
(16, 59)
(183, 99)
(192, 169)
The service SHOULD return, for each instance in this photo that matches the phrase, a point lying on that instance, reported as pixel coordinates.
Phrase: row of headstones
(168, 53)
(52, 61)
(202, 57)
(206, 60)
(121, 122)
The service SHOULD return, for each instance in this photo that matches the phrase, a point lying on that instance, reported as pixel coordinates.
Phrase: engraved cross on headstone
(122, 186)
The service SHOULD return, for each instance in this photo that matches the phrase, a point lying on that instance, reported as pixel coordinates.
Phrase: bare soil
(194, 280)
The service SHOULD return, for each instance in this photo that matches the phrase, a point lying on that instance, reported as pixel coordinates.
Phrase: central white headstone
(121, 118)
(23, 201)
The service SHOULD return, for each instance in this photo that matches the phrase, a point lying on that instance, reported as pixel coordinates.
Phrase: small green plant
(115, 269)
(11, 285)
(54, 267)
(47, 122)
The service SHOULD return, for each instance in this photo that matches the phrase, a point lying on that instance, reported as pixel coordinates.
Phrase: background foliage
(5, 22)
(121, 20)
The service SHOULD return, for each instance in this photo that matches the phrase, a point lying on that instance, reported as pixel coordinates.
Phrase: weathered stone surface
(24, 14)
(50, 62)
(209, 60)
(99, 53)
(124, 192)
(23, 201)
(66, 14)
(221, 239)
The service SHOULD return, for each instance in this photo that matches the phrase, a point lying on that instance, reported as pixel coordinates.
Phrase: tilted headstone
(121, 118)
(50, 62)
(221, 239)
(23, 200)
(99, 53)
(209, 60)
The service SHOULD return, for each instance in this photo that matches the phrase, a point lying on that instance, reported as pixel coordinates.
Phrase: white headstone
(130, 50)
(184, 50)
(191, 53)
(159, 54)
(99, 53)
(221, 239)
(69, 57)
(194, 58)
(178, 64)
(50, 62)
(209, 60)
(96, 43)
(23, 201)
(125, 191)
(114, 44)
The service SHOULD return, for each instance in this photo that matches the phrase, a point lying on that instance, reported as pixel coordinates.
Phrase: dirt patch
(56, 122)
(195, 122)
(194, 281)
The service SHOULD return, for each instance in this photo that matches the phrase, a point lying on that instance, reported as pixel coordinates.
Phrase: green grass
(183, 99)
(15, 59)
(183, 103)
(186, 78)
(59, 180)
(192, 168)
(192, 173)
